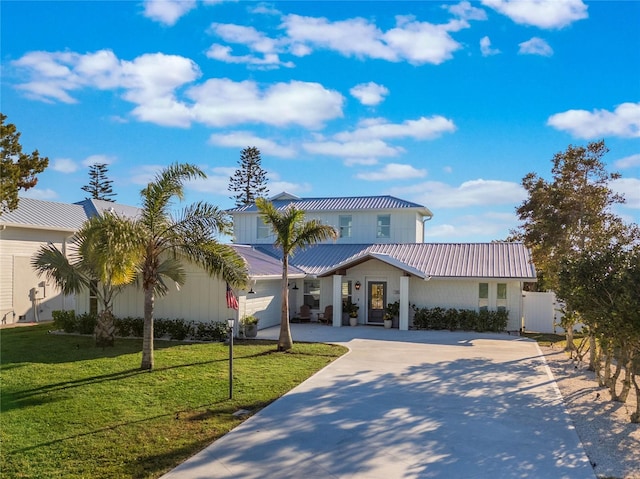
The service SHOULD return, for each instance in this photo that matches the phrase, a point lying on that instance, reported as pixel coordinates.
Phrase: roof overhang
(384, 258)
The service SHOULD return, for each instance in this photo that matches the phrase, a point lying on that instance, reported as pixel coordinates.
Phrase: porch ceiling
(385, 258)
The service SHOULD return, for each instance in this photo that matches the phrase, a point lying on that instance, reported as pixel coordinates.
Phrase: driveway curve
(407, 404)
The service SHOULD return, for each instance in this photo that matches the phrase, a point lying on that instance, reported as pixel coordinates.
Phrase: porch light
(357, 285)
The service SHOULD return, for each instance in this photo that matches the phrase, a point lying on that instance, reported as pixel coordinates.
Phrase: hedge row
(460, 319)
(178, 329)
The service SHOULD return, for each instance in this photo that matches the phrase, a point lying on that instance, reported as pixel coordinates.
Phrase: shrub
(451, 319)
(161, 327)
(180, 329)
(421, 318)
(211, 331)
(87, 323)
(65, 320)
(467, 319)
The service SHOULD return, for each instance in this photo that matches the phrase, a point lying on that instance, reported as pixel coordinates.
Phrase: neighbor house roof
(440, 260)
(67, 217)
(343, 203)
(48, 215)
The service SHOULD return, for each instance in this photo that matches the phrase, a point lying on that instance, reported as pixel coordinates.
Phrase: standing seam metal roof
(338, 204)
(444, 260)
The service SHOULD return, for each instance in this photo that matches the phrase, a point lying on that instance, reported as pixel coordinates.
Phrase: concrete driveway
(407, 404)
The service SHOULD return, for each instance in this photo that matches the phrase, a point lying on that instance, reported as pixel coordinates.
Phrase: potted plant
(388, 320)
(351, 311)
(393, 312)
(249, 326)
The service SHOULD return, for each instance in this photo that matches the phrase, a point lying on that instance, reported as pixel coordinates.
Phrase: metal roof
(441, 260)
(50, 215)
(262, 265)
(344, 203)
(32, 213)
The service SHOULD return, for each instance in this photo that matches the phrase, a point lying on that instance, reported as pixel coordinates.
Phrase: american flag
(232, 301)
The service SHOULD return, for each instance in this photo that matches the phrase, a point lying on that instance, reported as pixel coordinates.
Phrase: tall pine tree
(99, 186)
(249, 182)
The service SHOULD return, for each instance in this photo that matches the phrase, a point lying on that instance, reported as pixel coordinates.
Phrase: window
(312, 293)
(346, 292)
(384, 226)
(262, 230)
(501, 297)
(93, 297)
(345, 226)
(483, 297)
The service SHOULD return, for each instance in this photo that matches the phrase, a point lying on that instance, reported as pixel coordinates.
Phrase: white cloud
(360, 161)
(213, 184)
(151, 82)
(630, 188)
(95, 159)
(485, 47)
(167, 12)
(144, 174)
(412, 41)
(392, 171)
(628, 161)
(46, 194)
(267, 47)
(64, 165)
(535, 46)
(242, 139)
(420, 129)
(474, 227)
(623, 122)
(353, 149)
(541, 13)
(466, 11)
(470, 193)
(369, 93)
(223, 102)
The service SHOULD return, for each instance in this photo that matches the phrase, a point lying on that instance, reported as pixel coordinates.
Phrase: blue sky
(446, 104)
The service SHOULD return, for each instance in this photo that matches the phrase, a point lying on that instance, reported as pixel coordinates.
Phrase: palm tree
(292, 232)
(167, 240)
(103, 259)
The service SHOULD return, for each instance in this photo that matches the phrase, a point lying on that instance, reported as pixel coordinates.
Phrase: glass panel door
(377, 300)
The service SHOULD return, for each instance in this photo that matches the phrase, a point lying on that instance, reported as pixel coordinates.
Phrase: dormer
(359, 219)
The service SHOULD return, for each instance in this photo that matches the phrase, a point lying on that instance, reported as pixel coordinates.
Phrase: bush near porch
(460, 319)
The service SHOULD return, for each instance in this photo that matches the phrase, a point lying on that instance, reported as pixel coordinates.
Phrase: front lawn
(71, 410)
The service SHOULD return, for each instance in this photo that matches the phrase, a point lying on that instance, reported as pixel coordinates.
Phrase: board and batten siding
(406, 227)
(17, 277)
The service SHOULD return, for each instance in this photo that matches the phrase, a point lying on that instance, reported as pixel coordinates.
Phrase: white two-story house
(380, 257)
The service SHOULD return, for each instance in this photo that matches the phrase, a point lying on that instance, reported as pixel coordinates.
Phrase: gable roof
(439, 260)
(48, 215)
(342, 203)
(66, 217)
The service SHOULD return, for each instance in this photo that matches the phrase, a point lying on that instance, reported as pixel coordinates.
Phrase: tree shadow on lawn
(459, 418)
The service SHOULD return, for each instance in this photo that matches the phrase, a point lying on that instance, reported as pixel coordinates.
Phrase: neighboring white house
(380, 258)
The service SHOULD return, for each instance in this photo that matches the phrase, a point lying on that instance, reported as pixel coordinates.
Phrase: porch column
(337, 301)
(404, 303)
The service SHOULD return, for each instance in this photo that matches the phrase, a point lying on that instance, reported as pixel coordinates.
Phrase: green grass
(71, 410)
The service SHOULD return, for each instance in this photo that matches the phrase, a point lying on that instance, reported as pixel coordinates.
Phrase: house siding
(17, 277)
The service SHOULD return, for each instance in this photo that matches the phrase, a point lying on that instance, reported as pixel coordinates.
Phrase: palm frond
(52, 263)
(218, 260)
(169, 268)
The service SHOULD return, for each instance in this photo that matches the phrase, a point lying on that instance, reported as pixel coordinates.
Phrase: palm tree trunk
(285, 342)
(105, 329)
(147, 335)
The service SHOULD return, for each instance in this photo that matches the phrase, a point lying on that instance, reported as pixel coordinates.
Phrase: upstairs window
(345, 226)
(262, 230)
(383, 226)
(483, 297)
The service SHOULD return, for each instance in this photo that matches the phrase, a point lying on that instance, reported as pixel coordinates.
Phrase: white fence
(540, 312)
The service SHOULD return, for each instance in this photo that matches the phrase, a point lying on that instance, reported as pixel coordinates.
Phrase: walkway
(407, 404)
